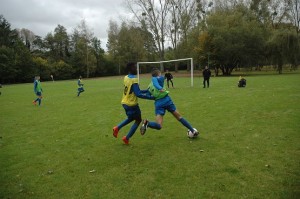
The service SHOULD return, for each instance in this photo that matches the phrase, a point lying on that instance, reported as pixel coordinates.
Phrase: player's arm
(34, 86)
(144, 94)
(156, 84)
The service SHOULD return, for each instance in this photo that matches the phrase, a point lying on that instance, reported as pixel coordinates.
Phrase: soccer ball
(191, 134)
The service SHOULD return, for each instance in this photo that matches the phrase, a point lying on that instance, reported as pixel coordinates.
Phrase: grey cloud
(42, 16)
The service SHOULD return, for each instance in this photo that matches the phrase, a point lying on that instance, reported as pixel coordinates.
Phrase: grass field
(249, 143)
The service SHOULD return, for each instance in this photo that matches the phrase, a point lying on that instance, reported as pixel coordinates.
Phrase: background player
(130, 102)
(37, 87)
(162, 103)
(80, 86)
(169, 77)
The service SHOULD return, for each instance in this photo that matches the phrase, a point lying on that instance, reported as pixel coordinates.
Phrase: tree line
(225, 35)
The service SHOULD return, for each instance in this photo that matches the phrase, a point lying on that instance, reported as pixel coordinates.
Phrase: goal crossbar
(174, 60)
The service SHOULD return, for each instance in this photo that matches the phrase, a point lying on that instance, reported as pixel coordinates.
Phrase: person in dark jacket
(169, 77)
(242, 82)
(206, 75)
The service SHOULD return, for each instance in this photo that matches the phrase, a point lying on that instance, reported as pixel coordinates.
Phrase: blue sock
(132, 130)
(186, 124)
(124, 123)
(154, 125)
(37, 99)
(40, 101)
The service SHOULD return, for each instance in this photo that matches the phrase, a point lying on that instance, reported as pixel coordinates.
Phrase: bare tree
(27, 36)
(86, 35)
(183, 17)
(112, 43)
(153, 14)
(294, 6)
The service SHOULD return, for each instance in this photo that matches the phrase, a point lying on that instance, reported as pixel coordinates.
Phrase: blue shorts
(164, 104)
(132, 112)
(38, 94)
(81, 89)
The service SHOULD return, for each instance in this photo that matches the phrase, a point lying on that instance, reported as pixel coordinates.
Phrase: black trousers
(170, 81)
(206, 80)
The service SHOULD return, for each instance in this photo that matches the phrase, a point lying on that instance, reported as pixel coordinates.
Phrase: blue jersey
(80, 83)
(158, 82)
(37, 86)
(163, 101)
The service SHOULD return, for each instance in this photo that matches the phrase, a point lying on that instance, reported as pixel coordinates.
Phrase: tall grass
(248, 145)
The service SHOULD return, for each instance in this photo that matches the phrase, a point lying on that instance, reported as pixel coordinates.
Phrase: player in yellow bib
(129, 102)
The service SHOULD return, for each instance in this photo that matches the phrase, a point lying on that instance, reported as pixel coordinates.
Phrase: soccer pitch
(248, 145)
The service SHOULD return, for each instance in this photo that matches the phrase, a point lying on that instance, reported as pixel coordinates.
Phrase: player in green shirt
(80, 86)
(37, 87)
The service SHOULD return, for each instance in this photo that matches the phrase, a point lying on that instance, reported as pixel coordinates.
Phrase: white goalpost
(161, 62)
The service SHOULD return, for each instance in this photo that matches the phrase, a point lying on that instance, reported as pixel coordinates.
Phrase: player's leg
(160, 112)
(208, 83)
(81, 90)
(133, 128)
(40, 99)
(34, 101)
(133, 113)
(158, 124)
(183, 121)
(37, 99)
(172, 83)
(128, 111)
(203, 83)
(154, 125)
(168, 82)
(124, 123)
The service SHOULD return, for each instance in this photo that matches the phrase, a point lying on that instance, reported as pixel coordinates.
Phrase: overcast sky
(42, 16)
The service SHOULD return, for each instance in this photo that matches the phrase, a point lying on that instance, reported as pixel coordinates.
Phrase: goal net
(168, 61)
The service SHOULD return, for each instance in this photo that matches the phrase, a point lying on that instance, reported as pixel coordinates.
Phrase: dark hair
(155, 72)
(129, 66)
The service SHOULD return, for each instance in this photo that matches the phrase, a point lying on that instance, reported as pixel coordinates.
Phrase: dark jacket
(168, 76)
(206, 73)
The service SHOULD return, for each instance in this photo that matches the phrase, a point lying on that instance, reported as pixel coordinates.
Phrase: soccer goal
(168, 61)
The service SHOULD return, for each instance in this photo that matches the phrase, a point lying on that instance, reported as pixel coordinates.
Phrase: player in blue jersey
(130, 102)
(162, 103)
(37, 87)
(80, 86)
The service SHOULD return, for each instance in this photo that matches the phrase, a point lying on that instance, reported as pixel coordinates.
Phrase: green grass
(49, 151)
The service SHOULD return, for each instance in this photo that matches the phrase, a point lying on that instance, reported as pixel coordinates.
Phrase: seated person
(242, 82)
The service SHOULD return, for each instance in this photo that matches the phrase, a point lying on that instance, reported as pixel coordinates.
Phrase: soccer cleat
(115, 131)
(34, 102)
(144, 127)
(125, 140)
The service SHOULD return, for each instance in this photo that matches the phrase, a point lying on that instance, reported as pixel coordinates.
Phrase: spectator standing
(206, 76)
